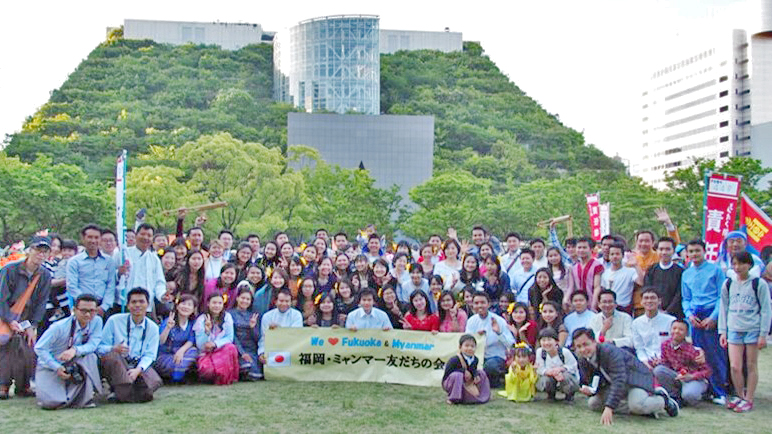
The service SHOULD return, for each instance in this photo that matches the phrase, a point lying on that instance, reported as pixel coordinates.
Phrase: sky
(584, 61)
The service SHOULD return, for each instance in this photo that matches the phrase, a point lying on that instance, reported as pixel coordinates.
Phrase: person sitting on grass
(177, 351)
(463, 382)
(743, 324)
(616, 381)
(498, 337)
(556, 367)
(520, 381)
(246, 334)
(218, 357)
(678, 369)
(281, 316)
(611, 325)
(367, 316)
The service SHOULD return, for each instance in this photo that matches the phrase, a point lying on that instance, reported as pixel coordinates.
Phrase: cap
(40, 241)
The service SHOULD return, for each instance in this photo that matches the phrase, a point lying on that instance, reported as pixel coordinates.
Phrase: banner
(394, 356)
(605, 219)
(593, 209)
(720, 209)
(120, 199)
(756, 223)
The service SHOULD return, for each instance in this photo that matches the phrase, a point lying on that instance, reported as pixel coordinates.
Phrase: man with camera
(24, 289)
(67, 374)
(128, 349)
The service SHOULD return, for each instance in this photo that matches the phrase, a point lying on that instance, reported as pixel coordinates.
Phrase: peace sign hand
(253, 320)
(208, 323)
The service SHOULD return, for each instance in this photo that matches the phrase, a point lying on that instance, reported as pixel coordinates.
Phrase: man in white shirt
(611, 325)
(620, 278)
(498, 337)
(556, 367)
(539, 258)
(510, 261)
(144, 270)
(651, 329)
(366, 316)
(281, 316)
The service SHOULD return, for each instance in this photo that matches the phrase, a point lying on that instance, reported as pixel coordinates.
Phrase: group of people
(609, 322)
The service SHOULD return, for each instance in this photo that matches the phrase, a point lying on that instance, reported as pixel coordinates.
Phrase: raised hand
(253, 320)
(662, 216)
(208, 323)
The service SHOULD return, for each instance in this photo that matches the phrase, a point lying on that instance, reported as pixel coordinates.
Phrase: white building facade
(229, 36)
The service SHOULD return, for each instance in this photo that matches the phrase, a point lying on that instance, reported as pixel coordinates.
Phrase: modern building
(330, 64)
(229, 36)
(396, 149)
(392, 41)
(714, 102)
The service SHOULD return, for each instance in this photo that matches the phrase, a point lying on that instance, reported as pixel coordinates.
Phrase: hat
(40, 241)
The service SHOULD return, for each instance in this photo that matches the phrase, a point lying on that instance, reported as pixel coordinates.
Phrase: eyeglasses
(86, 311)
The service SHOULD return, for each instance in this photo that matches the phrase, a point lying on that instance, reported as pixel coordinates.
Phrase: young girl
(342, 266)
(502, 304)
(560, 275)
(243, 257)
(470, 273)
(308, 291)
(190, 279)
(380, 276)
(266, 296)
(177, 351)
(308, 259)
(468, 295)
(345, 302)
(551, 316)
(495, 282)
(224, 285)
(255, 276)
(523, 328)
(215, 260)
(393, 308)
(452, 317)
(426, 261)
(521, 379)
(321, 248)
(463, 382)
(295, 277)
(325, 278)
(436, 286)
(543, 289)
(180, 248)
(450, 268)
(743, 323)
(420, 317)
(270, 257)
(326, 315)
(247, 334)
(399, 270)
(287, 252)
(361, 275)
(218, 357)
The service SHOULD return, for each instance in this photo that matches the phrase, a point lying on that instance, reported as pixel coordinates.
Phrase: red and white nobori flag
(593, 209)
(721, 194)
(756, 223)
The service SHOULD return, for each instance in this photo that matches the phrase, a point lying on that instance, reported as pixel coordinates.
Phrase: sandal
(743, 407)
(734, 402)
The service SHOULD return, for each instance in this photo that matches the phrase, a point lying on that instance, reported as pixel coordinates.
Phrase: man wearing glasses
(24, 289)
(67, 374)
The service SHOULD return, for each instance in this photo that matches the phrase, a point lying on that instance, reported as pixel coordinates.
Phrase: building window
(723, 139)
(723, 79)
(723, 109)
(723, 93)
(723, 154)
(723, 124)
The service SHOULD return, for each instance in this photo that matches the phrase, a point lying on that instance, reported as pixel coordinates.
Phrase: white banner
(605, 219)
(120, 199)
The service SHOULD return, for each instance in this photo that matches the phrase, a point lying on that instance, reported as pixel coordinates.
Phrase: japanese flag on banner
(756, 223)
(593, 210)
(721, 194)
(278, 359)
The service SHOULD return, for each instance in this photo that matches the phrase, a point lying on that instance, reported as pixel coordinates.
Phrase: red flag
(721, 194)
(756, 223)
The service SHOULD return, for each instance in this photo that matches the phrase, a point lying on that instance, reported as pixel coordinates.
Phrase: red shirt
(682, 358)
(428, 324)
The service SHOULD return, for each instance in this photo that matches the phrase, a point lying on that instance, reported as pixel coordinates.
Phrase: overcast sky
(582, 60)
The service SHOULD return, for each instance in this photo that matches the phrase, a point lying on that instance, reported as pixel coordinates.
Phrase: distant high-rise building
(714, 102)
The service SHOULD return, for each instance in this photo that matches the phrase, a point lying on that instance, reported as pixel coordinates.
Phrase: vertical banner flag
(756, 223)
(593, 209)
(720, 209)
(120, 199)
(605, 219)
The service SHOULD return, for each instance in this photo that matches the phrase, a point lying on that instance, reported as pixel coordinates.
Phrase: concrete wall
(395, 40)
(229, 36)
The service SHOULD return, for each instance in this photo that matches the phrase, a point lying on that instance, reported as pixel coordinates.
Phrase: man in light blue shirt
(521, 280)
(91, 272)
(69, 346)
(366, 316)
(128, 349)
(700, 293)
(417, 281)
(580, 317)
(281, 316)
(498, 337)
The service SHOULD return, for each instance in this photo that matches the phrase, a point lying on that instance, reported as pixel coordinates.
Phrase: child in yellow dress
(521, 379)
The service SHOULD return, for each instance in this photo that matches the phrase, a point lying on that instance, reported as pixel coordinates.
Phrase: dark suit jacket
(624, 371)
(454, 364)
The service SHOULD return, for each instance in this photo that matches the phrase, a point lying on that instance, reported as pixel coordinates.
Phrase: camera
(132, 362)
(75, 372)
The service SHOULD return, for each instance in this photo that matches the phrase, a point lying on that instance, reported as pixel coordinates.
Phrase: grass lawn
(361, 407)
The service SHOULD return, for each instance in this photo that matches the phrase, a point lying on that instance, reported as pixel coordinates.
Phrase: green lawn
(361, 407)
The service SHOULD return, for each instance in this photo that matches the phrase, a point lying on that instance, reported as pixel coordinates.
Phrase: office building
(392, 41)
(229, 36)
(712, 102)
(396, 149)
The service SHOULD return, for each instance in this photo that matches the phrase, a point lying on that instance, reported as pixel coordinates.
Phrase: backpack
(754, 283)
(560, 354)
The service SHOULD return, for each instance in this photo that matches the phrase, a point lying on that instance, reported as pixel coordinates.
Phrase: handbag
(469, 386)
(17, 309)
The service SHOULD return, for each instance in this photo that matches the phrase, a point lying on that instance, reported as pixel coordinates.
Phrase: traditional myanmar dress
(520, 383)
(220, 366)
(246, 340)
(164, 363)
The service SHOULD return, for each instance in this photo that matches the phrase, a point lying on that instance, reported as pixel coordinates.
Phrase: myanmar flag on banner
(756, 223)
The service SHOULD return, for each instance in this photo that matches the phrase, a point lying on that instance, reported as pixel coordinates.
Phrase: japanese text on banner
(721, 194)
(593, 210)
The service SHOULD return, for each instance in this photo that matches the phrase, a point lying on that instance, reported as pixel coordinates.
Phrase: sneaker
(569, 398)
(671, 406)
(733, 402)
(719, 400)
(743, 407)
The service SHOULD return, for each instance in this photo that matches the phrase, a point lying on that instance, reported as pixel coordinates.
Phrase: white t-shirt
(622, 282)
